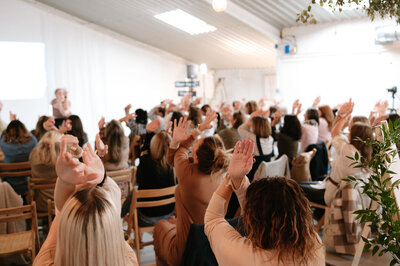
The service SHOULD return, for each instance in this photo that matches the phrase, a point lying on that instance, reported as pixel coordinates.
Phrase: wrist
(174, 144)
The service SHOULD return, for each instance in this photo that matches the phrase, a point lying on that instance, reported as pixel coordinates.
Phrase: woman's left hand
(241, 161)
(210, 117)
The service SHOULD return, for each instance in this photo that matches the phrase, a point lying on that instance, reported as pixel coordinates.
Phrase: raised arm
(343, 116)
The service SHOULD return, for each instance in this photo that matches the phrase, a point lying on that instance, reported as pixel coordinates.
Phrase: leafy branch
(379, 187)
(373, 8)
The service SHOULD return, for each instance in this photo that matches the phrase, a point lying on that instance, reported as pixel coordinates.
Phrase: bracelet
(102, 181)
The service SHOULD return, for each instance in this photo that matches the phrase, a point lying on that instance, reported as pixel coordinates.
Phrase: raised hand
(346, 108)
(380, 107)
(102, 122)
(210, 117)
(260, 112)
(49, 124)
(153, 125)
(296, 109)
(179, 134)
(65, 127)
(100, 147)
(127, 109)
(94, 169)
(316, 102)
(241, 161)
(13, 116)
(69, 169)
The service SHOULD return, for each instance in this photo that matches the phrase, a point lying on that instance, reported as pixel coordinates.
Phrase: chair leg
(320, 223)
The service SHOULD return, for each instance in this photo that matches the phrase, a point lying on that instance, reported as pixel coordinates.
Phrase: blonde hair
(90, 231)
(48, 148)
(159, 147)
(261, 126)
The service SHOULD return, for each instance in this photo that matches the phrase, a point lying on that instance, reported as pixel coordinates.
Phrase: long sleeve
(183, 150)
(240, 250)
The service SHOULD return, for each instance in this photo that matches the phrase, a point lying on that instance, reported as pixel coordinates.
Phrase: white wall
(338, 61)
(102, 71)
(251, 84)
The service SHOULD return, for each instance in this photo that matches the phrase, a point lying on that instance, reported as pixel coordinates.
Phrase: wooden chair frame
(133, 221)
(322, 220)
(21, 213)
(51, 210)
(122, 176)
(38, 184)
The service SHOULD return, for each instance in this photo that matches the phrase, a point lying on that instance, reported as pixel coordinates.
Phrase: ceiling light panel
(185, 22)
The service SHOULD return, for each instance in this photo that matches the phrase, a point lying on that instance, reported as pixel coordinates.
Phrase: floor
(332, 258)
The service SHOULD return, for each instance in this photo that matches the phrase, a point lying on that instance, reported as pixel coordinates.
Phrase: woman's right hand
(241, 161)
(179, 134)
(210, 117)
(346, 109)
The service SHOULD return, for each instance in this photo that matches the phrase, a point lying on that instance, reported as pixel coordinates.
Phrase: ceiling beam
(251, 20)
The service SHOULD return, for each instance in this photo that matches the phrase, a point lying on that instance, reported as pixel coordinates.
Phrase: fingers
(237, 147)
(63, 147)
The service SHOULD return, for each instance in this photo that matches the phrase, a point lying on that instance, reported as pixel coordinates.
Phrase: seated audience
(277, 220)
(289, 136)
(138, 125)
(309, 128)
(47, 123)
(87, 229)
(198, 177)
(43, 164)
(258, 129)
(325, 123)
(250, 107)
(77, 129)
(231, 135)
(17, 143)
(153, 172)
(117, 155)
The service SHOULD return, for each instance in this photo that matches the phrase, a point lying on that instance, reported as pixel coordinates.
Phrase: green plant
(382, 8)
(379, 187)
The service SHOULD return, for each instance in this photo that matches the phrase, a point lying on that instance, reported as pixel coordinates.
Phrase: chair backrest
(51, 211)
(152, 193)
(278, 167)
(123, 178)
(39, 184)
(15, 169)
(26, 212)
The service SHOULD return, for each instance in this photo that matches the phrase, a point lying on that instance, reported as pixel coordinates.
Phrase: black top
(150, 175)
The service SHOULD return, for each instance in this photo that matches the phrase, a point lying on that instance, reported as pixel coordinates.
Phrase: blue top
(17, 152)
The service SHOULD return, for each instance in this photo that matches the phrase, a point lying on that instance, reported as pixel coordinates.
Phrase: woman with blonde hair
(153, 172)
(277, 220)
(43, 164)
(87, 230)
(198, 177)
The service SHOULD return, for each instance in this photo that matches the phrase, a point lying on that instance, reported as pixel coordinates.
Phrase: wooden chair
(123, 178)
(35, 184)
(133, 216)
(19, 242)
(322, 220)
(51, 211)
(15, 170)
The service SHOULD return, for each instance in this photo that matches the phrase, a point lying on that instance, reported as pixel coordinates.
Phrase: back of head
(77, 129)
(205, 108)
(40, 130)
(239, 119)
(114, 138)
(16, 132)
(359, 118)
(261, 126)
(251, 107)
(312, 114)
(141, 116)
(292, 127)
(327, 114)
(364, 132)
(393, 117)
(47, 149)
(90, 231)
(159, 147)
(195, 116)
(175, 117)
(211, 155)
(277, 216)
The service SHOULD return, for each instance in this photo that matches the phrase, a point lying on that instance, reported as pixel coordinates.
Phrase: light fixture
(219, 5)
(203, 69)
(185, 22)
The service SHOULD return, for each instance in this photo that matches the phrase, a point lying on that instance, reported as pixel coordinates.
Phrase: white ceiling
(245, 37)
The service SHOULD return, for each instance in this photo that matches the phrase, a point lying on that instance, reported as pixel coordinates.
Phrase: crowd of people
(211, 154)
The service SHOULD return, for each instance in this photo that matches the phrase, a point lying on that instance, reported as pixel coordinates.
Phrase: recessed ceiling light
(186, 22)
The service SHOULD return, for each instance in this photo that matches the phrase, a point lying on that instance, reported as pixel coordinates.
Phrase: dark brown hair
(211, 155)
(77, 129)
(16, 132)
(251, 107)
(277, 216)
(239, 119)
(361, 131)
(261, 126)
(195, 116)
(312, 113)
